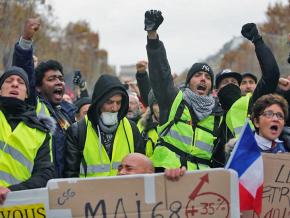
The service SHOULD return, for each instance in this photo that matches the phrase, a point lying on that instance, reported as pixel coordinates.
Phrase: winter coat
(106, 87)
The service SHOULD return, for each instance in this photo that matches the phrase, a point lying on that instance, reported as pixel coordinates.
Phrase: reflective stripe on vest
(41, 108)
(98, 163)
(18, 149)
(17, 155)
(199, 143)
(238, 115)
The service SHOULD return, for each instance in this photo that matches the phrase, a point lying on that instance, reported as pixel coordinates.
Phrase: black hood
(105, 88)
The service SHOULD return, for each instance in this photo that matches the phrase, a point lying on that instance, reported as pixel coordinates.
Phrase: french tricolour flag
(246, 159)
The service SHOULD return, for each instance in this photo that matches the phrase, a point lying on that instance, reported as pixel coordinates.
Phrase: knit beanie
(199, 67)
(15, 71)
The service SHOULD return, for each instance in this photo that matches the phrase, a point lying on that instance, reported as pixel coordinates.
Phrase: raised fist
(30, 28)
(153, 19)
(141, 66)
(250, 31)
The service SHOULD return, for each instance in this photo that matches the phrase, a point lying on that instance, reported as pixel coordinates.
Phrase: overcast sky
(192, 29)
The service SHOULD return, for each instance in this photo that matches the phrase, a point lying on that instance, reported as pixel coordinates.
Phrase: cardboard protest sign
(26, 204)
(276, 189)
(209, 193)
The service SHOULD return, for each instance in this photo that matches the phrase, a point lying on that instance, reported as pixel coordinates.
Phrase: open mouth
(274, 128)
(201, 87)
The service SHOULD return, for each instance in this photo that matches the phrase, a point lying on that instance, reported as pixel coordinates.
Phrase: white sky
(192, 29)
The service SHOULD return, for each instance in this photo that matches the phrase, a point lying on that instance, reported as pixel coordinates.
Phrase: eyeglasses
(270, 114)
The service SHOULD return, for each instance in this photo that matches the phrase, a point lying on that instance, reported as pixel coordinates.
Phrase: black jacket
(16, 111)
(270, 72)
(106, 87)
(144, 86)
(164, 90)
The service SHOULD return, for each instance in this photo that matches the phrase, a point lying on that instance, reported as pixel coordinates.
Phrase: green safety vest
(18, 149)
(150, 138)
(183, 141)
(95, 155)
(238, 115)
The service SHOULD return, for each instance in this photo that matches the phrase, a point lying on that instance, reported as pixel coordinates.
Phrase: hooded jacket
(106, 87)
(16, 111)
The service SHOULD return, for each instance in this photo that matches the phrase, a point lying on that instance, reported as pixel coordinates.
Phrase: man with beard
(25, 161)
(189, 119)
(249, 83)
(47, 88)
(96, 145)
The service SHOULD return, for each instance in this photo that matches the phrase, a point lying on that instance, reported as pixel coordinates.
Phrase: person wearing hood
(47, 87)
(96, 145)
(189, 118)
(25, 161)
(238, 108)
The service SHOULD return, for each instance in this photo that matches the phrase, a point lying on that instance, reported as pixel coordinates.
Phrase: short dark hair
(266, 101)
(43, 67)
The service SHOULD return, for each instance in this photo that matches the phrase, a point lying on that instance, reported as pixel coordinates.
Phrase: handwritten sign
(210, 193)
(276, 189)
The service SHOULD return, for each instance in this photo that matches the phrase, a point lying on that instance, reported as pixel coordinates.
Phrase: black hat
(250, 75)
(225, 74)
(197, 67)
(15, 71)
(81, 102)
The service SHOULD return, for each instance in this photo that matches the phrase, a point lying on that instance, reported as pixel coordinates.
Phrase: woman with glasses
(269, 115)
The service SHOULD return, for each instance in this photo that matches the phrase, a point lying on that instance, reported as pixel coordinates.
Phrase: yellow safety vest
(41, 108)
(18, 149)
(150, 137)
(95, 155)
(238, 115)
(179, 139)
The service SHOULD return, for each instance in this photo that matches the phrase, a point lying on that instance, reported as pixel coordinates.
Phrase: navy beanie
(15, 71)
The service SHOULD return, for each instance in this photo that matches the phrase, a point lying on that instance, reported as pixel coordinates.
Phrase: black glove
(250, 31)
(153, 19)
(77, 77)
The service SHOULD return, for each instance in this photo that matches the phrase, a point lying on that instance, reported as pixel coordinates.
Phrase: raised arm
(23, 54)
(269, 67)
(159, 70)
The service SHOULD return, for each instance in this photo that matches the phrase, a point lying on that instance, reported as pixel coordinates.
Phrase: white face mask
(109, 118)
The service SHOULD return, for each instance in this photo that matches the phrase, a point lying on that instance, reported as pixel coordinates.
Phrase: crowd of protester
(128, 128)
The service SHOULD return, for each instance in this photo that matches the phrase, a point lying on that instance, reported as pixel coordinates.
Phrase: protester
(96, 145)
(25, 161)
(269, 115)
(82, 105)
(249, 83)
(147, 125)
(189, 119)
(134, 111)
(239, 109)
(136, 163)
(47, 82)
